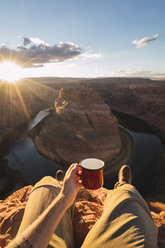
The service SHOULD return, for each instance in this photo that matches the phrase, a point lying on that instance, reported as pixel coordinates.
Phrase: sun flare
(11, 72)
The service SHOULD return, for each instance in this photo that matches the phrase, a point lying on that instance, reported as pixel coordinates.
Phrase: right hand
(71, 184)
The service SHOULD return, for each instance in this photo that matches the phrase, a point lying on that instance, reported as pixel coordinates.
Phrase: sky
(84, 38)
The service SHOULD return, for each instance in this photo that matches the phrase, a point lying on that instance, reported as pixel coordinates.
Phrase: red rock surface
(88, 209)
(11, 213)
(82, 127)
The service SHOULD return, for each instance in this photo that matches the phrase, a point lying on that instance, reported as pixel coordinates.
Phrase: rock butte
(82, 126)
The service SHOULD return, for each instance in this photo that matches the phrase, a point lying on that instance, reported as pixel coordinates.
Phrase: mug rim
(92, 169)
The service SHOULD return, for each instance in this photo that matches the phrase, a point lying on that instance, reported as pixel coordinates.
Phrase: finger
(70, 168)
(78, 181)
(79, 172)
(74, 170)
(77, 176)
(73, 166)
(80, 184)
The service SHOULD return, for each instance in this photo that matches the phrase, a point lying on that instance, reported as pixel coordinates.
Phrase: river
(23, 155)
(145, 159)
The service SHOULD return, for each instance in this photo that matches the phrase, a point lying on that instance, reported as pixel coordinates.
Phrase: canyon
(82, 108)
(142, 98)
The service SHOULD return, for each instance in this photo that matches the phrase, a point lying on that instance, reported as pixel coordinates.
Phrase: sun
(10, 71)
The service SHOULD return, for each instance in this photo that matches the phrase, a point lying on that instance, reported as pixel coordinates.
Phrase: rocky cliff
(18, 105)
(82, 126)
(143, 98)
(88, 209)
(138, 97)
(11, 213)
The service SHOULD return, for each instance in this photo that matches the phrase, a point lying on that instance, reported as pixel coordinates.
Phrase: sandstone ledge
(89, 207)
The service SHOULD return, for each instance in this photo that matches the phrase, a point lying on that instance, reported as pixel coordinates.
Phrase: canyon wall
(18, 105)
(139, 97)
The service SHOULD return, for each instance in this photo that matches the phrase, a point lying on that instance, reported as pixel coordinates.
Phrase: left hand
(71, 184)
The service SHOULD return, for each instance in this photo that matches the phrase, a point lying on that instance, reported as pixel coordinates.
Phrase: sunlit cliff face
(11, 72)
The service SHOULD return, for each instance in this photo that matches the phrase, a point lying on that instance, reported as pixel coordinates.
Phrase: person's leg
(42, 195)
(126, 220)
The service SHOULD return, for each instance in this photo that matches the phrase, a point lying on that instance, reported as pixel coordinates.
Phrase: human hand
(71, 184)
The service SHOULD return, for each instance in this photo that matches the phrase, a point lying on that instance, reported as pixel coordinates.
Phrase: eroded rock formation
(82, 126)
(139, 97)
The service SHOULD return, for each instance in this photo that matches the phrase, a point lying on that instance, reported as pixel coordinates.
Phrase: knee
(47, 181)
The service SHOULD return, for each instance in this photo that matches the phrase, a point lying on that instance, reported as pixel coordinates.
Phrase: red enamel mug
(92, 173)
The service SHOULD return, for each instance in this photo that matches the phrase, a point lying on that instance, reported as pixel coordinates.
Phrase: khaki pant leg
(126, 222)
(44, 192)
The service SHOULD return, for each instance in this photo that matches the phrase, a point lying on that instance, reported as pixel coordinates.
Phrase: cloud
(91, 55)
(148, 74)
(144, 41)
(141, 74)
(35, 52)
(36, 41)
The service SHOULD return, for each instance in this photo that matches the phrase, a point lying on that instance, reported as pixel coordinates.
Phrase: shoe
(125, 174)
(59, 175)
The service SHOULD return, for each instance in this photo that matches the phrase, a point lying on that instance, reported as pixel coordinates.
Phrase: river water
(145, 159)
(24, 156)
